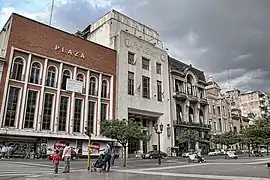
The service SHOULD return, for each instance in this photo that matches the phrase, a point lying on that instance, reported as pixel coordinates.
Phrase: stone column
(72, 105)
(86, 102)
(42, 96)
(99, 105)
(24, 94)
(57, 103)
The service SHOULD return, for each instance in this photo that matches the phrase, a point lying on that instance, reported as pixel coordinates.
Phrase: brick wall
(38, 38)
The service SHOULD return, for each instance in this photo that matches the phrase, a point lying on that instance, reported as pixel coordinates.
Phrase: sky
(227, 39)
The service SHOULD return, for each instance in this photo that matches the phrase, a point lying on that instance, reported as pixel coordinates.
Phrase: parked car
(231, 155)
(73, 154)
(154, 155)
(214, 153)
(263, 150)
(186, 154)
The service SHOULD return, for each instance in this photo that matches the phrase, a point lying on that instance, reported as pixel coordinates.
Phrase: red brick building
(53, 85)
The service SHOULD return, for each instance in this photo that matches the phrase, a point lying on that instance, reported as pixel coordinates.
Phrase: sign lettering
(69, 51)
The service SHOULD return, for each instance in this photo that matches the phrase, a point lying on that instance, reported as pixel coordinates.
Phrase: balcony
(180, 95)
(191, 125)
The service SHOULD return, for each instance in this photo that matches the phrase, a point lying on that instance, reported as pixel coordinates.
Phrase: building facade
(255, 102)
(189, 106)
(142, 74)
(53, 86)
(219, 110)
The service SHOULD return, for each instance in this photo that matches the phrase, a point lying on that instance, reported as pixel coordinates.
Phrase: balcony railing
(191, 124)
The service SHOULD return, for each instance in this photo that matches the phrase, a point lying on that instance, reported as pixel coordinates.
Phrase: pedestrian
(113, 156)
(107, 158)
(67, 157)
(56, 159)
(4, 152)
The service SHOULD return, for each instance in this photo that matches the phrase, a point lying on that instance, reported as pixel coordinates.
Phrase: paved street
(215, 168)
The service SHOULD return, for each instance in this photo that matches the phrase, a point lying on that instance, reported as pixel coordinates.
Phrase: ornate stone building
(219, 110)
(189, 106)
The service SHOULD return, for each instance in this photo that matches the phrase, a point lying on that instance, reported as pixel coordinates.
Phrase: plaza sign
(69, 51)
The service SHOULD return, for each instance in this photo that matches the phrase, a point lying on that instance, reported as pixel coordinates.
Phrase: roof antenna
(51, 13)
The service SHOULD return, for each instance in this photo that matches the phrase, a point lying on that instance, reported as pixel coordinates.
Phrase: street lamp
(158, 131)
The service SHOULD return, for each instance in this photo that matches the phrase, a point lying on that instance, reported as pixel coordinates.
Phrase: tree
(258, 133)
(189, 136)
(124, 131)
(227, 139)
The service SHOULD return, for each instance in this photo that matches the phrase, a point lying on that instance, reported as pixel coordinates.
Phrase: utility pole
(50, 22)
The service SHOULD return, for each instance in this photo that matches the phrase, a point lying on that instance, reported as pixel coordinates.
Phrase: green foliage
(228, 138)
(257, 133)
(189, 136)
(124, 131)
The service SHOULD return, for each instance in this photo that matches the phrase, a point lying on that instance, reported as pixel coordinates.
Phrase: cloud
(212, 35)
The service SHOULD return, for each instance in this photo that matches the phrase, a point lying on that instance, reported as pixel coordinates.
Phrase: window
(92, 88)
(131, 58)
(63, 114)
(146, 87)
(51, 76)
(159, 90)
(215, 126)
(189, 85)
(77, 115)
(103, 112)
(66, 75)
(104, 89)
(220, 125)
(35, 73)
(158, 68)
(80, 77)
(130, 83)
(91, 115)
(17, 69)
(179, 113)
(30, 109)
(145, 63)
(12, 106)
(47, 111)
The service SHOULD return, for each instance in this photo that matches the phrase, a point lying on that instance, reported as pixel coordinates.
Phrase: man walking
(67, 157)
(107, 158)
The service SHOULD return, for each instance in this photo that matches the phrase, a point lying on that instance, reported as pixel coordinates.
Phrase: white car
(214, 153)
(186, 154)
(263, 150)
(231, 155)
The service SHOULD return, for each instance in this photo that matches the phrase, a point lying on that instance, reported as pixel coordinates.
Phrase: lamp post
(158, 131)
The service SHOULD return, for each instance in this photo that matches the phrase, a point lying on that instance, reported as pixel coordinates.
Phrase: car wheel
(151, 157)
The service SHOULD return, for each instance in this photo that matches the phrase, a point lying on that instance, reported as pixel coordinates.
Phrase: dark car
(154, 155)
(73, 154)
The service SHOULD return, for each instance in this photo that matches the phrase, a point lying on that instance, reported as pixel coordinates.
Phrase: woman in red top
(56, 160)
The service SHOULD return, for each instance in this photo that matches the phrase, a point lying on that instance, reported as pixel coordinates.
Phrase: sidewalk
(83, 175)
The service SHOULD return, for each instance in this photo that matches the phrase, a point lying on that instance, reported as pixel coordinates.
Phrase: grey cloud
(224, 30)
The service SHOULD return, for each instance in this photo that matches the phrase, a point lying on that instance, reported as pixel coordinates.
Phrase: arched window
(201, 117)
(80, 77)
(189, 85)
(179, 113)
(66, 75)
(104, 89)
(191, 114)
(17, 69)
(35, 73)
(51, 76)
(92, 88)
